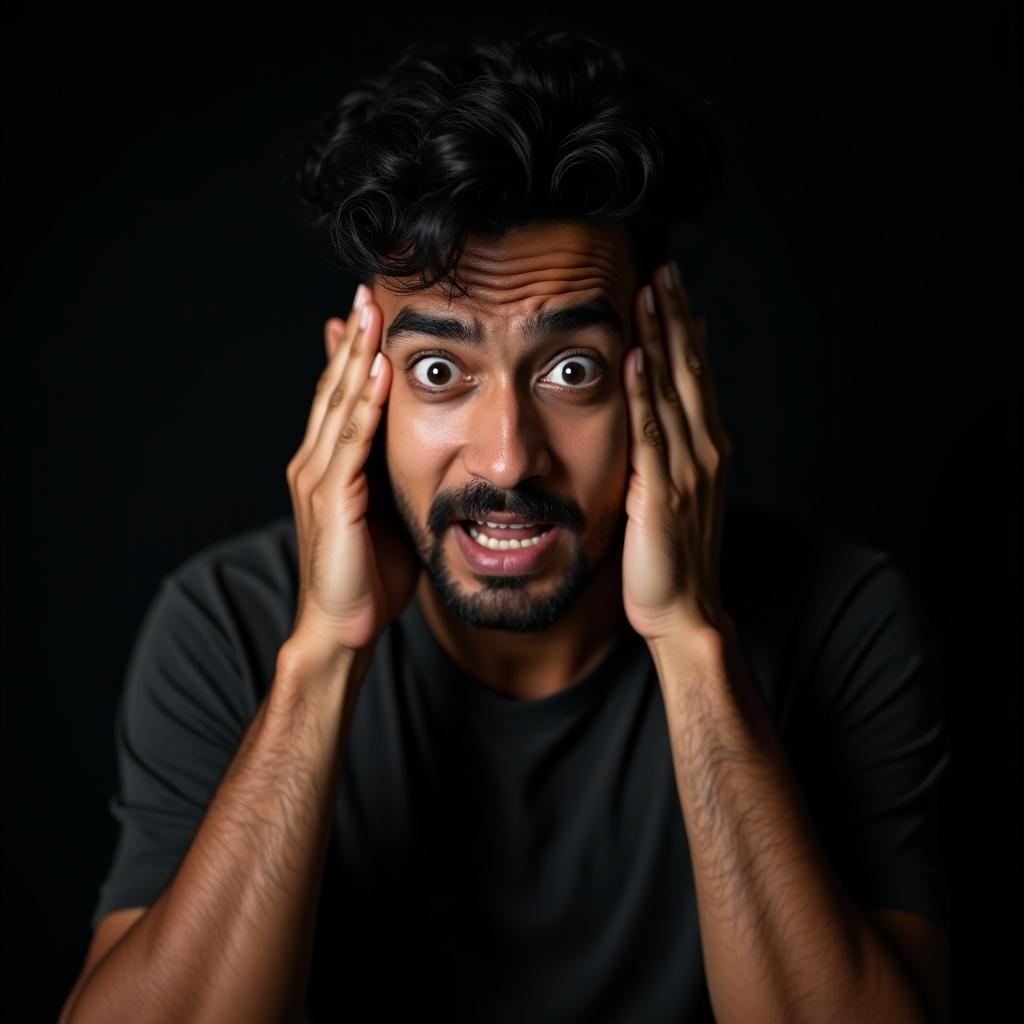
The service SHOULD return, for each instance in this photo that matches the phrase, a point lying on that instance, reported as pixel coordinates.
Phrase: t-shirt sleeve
(884, 750)
(178, 724)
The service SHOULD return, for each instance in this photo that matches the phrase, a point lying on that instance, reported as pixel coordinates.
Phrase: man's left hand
(679, 453)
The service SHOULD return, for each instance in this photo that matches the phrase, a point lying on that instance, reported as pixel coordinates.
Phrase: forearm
(782, 939)
(230, 938)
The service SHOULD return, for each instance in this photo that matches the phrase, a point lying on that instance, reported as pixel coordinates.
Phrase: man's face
(535, 426)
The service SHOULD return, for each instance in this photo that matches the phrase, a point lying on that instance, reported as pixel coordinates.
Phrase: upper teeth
(505, 526)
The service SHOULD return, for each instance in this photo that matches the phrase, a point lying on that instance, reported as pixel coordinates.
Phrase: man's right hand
(356, 573)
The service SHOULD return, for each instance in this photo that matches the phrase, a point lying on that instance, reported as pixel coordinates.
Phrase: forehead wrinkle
(515, 268)
(596, 313)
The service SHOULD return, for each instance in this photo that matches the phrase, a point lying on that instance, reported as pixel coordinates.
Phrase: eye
(435, 378)
(572, 376)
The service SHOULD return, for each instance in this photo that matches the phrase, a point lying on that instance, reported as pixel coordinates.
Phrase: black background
(164, 322)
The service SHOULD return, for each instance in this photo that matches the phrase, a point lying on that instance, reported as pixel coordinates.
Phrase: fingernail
(364, 315)
(668, 277)
(360, 297)
(639, 360)
(677, 278)
(375, 365)
(649, 298)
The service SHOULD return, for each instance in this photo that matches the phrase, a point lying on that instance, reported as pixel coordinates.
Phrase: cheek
(614, 478)
(418, 441)
(596, 451)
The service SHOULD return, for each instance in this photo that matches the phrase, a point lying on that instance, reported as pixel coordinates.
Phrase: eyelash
(435, 353)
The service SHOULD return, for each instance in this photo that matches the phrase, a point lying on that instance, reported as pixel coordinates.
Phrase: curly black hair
(491, 133)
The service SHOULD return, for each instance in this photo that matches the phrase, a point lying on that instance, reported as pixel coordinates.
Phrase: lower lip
(506, 563)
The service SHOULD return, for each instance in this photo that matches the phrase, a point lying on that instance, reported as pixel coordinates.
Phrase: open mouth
(509, 538)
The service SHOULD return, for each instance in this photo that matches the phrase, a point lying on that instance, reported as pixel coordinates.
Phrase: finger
(333, 330)
(346, 328)
(697, 361)
(647, 453)
(724, 448)
(665, 397)
(693, 363)
(684, 369)
(338, 335)
(354, 408)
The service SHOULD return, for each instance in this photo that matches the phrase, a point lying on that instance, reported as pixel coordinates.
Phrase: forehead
(546, 278)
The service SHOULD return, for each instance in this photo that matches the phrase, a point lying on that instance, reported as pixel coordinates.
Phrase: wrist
(306, 659)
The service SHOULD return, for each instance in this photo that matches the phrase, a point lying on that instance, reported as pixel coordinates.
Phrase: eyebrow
(597, 312)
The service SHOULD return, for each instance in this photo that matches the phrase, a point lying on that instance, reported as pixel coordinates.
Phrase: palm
(398, 564)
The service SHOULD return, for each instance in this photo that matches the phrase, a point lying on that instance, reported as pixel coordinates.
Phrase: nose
(508, 440)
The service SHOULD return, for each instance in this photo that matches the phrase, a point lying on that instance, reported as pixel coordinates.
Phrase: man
(521, 720)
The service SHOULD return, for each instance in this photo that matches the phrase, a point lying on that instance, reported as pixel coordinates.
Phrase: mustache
(482, 502)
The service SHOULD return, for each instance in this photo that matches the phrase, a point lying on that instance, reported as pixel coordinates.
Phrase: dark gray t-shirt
(497, 860)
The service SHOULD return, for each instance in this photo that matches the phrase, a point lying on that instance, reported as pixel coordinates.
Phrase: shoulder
(235, 595)
(260, 555)
(780, 562)
(820, 614)
(866, 613)
(786, 579)
(777, 551)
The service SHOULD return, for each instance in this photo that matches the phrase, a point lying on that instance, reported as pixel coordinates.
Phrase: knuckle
(670, 393)
(651, 432)
(318, 500)
(350, 433)
(691, 481)
(337, 396)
